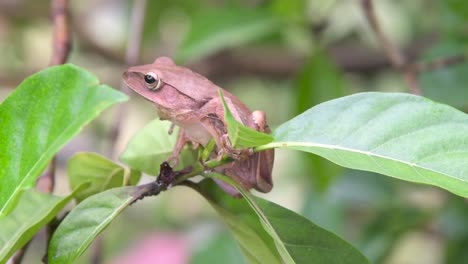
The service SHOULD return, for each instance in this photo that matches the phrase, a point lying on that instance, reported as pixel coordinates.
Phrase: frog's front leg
(182, 140)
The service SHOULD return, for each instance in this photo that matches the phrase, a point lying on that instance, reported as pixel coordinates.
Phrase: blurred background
(282, 57)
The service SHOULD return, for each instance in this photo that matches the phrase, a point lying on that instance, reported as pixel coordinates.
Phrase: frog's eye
(152, 81)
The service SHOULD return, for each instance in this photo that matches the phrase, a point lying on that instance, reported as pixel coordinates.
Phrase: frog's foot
(173, 160)
(229, 150)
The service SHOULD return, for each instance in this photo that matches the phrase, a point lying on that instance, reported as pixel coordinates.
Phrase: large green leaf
(34, 210)
(39, 117)
(269, 233)
(151, 146)
(399, 135)
(217, 29)
(100, 172)
(87, 220)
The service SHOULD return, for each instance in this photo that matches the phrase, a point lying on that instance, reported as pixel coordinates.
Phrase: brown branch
(440, 63)
(62, 38)
(396, 57)
(61, 43)
(393, 53)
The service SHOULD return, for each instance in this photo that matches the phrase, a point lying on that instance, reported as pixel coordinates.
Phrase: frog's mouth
(133, 79)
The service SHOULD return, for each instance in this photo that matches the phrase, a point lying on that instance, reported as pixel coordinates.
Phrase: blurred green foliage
(306, 51)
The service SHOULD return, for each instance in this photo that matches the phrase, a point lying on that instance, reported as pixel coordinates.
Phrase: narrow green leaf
(217, 29)
(100, 172)
(87, 220)
(44, 112)
(296, 239)
(151, 146)
(34, 210)
(255, 243)
(400, 135)
(240, 135)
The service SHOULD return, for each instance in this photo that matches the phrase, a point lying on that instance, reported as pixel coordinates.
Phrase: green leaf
(43, 113)
(100, 172)
(218, 29)
(151, 146)
(296, 239)
(240, 135)
(34, 210)
(87, 220)
(400, 135)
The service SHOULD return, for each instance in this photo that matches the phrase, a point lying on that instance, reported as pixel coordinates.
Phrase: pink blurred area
(167, 248)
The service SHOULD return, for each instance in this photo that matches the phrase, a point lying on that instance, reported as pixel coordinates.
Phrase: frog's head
(166, 85)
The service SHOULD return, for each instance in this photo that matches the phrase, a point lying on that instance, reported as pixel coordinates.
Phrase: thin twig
(131, 58)
(393, 53)
(168, 177)
(396, 57)
(62, 38)
(440, 63)
(61, 49)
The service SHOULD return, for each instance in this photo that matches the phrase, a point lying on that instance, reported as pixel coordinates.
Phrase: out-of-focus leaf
(319, 81)
(43, 113)
(459, 7)
(293, 10)
(217, 29)
(100, 172)
(451, 21)
(452, 225)
(157, 13)
(221, 249)
(453, 218)
(353, 190)
(399, 135)
(296, 239)
(455, 251)
(446, 84)
(34, 210)
(151, 146)
(391, 223)
(87, 220)
(240, 135)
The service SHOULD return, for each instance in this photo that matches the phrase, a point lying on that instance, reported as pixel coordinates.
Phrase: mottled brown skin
(191, 101)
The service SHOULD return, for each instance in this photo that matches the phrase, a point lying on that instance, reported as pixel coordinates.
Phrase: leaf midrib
(364, 152)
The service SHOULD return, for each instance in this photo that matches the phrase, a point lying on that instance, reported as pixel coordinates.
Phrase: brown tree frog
(192, 102)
